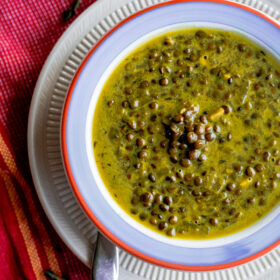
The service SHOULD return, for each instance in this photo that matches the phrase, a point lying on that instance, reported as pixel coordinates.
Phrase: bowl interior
(89, 142)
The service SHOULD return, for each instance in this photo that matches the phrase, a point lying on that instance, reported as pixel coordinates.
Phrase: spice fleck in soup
(186, 133)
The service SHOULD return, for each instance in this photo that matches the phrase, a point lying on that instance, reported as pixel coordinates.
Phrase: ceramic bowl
(76, 137)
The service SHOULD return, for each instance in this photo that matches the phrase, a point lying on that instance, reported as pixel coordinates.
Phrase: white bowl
(77, 137)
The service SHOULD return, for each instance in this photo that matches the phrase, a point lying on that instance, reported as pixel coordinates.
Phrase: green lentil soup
(186, 133)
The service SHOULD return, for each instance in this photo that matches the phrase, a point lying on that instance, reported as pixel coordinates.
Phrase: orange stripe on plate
(23, 225)
(48, 247)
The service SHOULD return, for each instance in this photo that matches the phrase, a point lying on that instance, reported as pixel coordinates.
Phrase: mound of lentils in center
(186, 133)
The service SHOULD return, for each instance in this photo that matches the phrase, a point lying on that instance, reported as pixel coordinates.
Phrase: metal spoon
(105, 263)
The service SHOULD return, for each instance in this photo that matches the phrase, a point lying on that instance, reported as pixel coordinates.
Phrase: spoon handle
(105, 265)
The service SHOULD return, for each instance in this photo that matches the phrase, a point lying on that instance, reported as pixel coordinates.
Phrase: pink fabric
(28, 31)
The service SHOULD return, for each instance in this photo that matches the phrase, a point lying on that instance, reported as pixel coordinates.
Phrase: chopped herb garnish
(48, 273)
(69, 13)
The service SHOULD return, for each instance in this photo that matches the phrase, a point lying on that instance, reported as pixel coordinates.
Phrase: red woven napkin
(29, 245)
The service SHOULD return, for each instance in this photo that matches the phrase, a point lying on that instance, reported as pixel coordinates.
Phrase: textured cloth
(29, 245)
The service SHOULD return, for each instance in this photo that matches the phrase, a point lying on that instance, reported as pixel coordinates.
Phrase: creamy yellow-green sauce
(186, 133)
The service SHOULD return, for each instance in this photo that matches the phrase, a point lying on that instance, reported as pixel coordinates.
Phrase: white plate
(59, 203)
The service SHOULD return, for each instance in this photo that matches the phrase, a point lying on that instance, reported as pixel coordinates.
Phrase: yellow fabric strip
(50, 253)
(23, 225)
